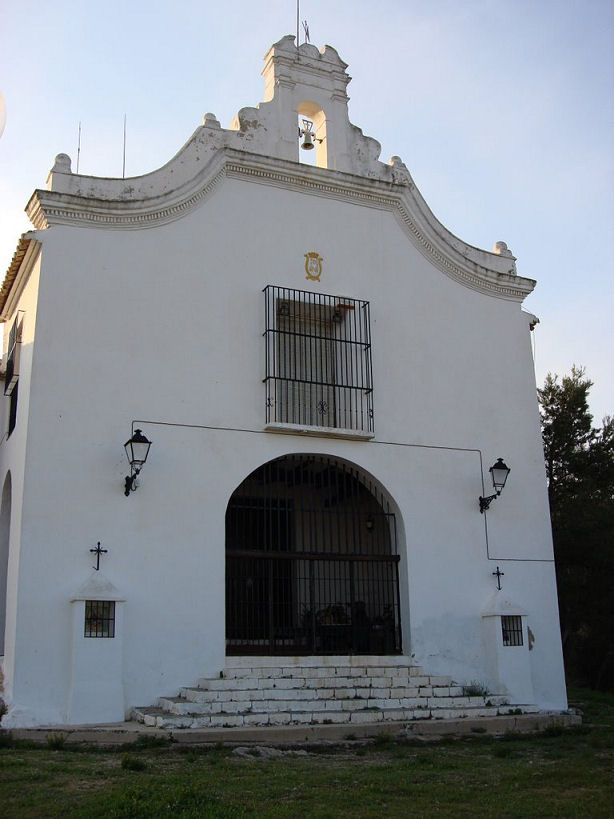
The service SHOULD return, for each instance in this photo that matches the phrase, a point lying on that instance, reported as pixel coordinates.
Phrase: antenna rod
(298, 16)
(79, 147)
(124, 162)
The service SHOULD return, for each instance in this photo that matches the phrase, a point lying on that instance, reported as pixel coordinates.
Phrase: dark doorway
(311, 562)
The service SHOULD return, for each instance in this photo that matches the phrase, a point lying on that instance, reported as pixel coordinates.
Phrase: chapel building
(328, 379)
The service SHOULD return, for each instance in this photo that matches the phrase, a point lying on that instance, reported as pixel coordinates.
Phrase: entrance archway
(311, 561)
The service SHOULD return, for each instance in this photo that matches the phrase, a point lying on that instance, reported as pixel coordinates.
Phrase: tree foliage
(580, 473)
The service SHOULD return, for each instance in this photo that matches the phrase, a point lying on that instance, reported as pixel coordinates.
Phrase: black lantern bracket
(137, 450)
(498, 472)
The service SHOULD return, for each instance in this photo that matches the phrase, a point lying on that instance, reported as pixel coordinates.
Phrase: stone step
(440, 686)
(278, 691)
(320, 661)
(183, 706)
(198, 695)
(522, 708)
(156, 717)
(314, 672)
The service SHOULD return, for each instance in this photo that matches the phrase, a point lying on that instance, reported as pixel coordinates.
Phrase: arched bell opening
(312, 135)
(312, 565)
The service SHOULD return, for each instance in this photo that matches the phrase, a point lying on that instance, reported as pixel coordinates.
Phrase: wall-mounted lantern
(137, 450)
(498, 472)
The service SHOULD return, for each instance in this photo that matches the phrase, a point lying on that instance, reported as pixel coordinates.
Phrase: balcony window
(318, 360)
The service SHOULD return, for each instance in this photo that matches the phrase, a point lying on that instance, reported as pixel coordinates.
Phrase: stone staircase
(325, 690)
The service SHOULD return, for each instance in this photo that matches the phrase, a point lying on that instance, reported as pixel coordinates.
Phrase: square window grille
(511, 626)
(318, 360)
(99, 618)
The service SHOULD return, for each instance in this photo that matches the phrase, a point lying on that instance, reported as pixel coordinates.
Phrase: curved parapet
(110, 204)
(262, 146)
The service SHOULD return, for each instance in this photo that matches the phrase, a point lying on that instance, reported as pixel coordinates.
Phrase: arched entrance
(311, 562)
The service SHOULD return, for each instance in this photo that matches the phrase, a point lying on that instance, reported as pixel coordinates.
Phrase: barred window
(511, 627)
(11, 377)
(12, 354)
(99, 618)
(13, 409)
(318, 360)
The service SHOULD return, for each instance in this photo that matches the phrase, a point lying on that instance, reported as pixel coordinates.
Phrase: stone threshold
(117, 734)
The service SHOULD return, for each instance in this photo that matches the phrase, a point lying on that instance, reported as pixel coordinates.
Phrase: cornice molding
(47, 208)
(477, 269)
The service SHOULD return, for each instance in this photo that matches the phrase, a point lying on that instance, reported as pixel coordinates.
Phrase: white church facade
(325, 374)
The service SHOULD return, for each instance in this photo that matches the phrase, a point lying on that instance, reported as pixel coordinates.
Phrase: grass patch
(132, 763)
(151, 741)
(565, 773)
(56, 742)
(476, 689)
(381, 740)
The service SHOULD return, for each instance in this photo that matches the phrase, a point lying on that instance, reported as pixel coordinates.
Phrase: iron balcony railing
(318, 360)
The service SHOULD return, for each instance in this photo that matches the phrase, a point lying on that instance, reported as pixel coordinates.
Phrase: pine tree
(580, 473)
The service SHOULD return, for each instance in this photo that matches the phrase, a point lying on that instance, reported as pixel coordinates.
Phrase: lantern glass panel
(499, 472)
(137, 449)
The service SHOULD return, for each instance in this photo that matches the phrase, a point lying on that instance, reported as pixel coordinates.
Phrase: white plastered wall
(165, 325)
(13, 451)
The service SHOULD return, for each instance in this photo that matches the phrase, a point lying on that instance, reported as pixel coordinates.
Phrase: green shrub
(132, 763)
(475, 689)
(56, 742)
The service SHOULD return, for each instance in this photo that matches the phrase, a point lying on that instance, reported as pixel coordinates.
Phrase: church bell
(307, 134)
(307, 143)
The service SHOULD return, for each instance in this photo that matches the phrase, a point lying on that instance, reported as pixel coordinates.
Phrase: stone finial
(211, 121)
(501, 249)
(400, 173)
(62, 164)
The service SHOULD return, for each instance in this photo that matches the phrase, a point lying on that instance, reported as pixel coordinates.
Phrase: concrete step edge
(198, 694)
(153, 718)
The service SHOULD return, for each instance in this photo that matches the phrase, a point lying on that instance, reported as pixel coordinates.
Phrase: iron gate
(311, 562)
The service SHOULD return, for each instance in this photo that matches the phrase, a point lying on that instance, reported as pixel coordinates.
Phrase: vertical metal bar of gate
(354, 635)
(312, 599)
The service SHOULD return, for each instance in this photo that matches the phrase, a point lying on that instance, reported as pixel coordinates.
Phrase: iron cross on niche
(98, 551)
(498, 574)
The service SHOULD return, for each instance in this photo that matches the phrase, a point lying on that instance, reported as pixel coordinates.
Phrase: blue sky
(503, 111)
